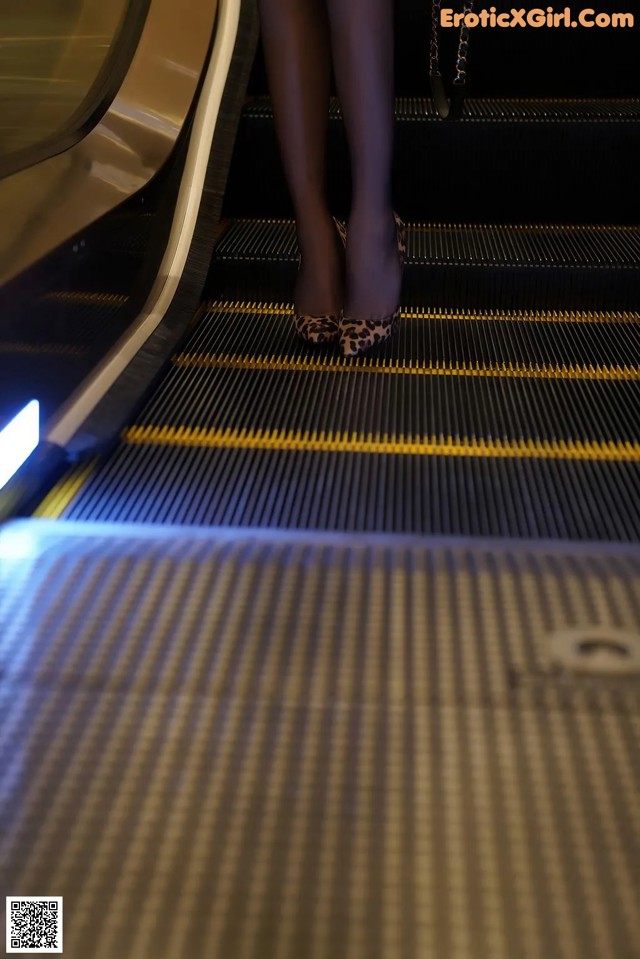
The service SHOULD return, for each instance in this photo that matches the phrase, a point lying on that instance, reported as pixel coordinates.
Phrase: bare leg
(362, 43)
(296, 43)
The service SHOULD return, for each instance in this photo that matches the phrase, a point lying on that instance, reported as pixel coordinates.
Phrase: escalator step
(408, 760)
(459, 266)
(595, 246)
(396, 406)
(507, 159)
(596, 345)
(238, 484)
(447, 395)
(470, 423)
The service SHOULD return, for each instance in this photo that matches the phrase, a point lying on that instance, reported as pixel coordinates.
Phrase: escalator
(306, 656)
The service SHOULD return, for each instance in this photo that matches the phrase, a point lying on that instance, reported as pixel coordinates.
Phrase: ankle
(311, 216)
(316, 237)
(377, 221)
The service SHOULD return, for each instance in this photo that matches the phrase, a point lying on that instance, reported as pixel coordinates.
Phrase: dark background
(515, 62)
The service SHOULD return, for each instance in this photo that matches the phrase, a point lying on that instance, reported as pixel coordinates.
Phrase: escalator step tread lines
(506, 160)
(507, 405)
(385, 746)
(465, 424)
(393, 765)
(486, 266)
(615, 109)
(597, 246)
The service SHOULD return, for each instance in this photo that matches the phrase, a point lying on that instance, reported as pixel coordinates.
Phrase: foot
(373, 268)
(319, 286)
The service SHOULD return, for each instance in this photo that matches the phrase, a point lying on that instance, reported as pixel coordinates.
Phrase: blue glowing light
(18, 440)
(18, 542)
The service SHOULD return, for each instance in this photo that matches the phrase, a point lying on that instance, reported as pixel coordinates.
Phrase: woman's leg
(363, 54)
(296, 44)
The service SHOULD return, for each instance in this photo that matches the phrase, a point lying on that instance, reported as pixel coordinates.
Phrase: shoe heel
(358, 336)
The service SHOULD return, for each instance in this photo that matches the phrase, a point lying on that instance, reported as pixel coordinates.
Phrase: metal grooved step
(241, 485)
(540, 245)
(599, 345)
(543, 159)
(478, 407)
(510, 266)
(521, 425)
(613, 110)
(432, 753)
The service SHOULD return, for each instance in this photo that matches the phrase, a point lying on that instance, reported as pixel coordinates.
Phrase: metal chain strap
(463, 44)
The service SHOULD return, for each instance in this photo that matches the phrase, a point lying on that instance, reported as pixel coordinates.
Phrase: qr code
(34, 924)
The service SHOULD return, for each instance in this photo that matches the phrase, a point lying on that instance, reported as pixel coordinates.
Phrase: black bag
(454, 108)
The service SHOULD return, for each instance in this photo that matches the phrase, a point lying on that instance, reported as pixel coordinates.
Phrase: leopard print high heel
(356, 336)
(323, 327)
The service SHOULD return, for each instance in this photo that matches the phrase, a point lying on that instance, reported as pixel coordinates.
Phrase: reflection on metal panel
(50, 202)
(205, 122)
(50, 56)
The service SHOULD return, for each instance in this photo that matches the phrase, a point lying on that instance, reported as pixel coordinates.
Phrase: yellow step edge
(60, 497)
(521, 316)
(354, 443)
(329, 365)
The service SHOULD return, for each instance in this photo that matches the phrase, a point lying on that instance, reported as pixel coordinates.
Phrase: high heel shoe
(356, 336)
(322, 327)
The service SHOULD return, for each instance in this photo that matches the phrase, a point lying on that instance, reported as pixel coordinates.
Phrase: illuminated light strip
(357, 443)
(299, 364)
(18, 440)
(532, 316)
(64, 492)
